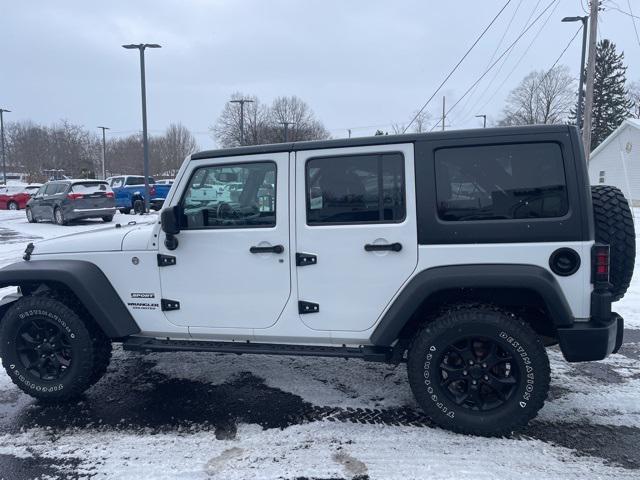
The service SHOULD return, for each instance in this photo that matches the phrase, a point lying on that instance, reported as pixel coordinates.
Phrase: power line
(633, 19)
(499, 44)
(500, 57)
(457, 65)
(522, 57)
(554, 65)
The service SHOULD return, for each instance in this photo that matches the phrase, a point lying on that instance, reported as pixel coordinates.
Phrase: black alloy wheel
(44, 349)
(478, 374)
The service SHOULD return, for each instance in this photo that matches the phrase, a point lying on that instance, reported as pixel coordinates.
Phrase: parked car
(167, 181)
(15, 197)
(63, 201)
(464, 254)
(129, 193)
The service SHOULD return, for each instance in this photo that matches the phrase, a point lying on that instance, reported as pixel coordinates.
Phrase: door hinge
(166, 260)
(308, 307)
(303, 259)
(167, 305)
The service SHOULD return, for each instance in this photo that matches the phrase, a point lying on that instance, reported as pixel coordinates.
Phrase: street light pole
(4, 164)
(145, 142)
(484, 120)
(579, 110)
(286, 130)
(104, 153)
(590, 78)
(241, 101)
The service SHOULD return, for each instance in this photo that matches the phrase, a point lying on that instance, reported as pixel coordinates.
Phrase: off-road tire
(614, 226)
(30, 217)
(138, 206)
(107, 219)
(84, 356)
(58, 216)
(13, 206)
(512, 336)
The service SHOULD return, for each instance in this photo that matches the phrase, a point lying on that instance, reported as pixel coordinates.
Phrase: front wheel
(479, 370)
(46, 349)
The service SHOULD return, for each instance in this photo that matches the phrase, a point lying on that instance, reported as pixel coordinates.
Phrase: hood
(106, 239)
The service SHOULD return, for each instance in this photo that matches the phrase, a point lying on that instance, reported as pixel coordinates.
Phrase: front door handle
(274, 249)
(393, 247)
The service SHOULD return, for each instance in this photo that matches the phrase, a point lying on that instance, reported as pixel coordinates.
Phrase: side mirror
(170, 221)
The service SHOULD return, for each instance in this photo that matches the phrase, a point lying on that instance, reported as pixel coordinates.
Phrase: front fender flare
(86, 281)
(434, 280)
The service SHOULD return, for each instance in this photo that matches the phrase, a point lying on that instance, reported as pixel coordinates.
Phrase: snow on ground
(204, 416)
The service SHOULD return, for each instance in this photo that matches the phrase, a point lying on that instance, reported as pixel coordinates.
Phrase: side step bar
(368, 353)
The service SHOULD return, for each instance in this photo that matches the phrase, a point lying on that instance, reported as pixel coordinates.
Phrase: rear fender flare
(499, 276)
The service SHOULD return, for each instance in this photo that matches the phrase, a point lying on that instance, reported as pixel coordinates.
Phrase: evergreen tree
(611, 104)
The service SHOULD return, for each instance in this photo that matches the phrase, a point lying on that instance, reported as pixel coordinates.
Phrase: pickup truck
(129, 192)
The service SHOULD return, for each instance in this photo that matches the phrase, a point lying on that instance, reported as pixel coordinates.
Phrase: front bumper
(592, 340)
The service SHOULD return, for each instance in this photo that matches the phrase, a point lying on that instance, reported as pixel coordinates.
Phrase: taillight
(109, 194)
(600, 263)
(74, 196)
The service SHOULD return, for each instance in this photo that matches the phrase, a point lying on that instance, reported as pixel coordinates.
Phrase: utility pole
(104, 153)
(4, 164)
(484, 120)
(286, 130)
(585, 21)
(591, 70)
(443, 111)
(241, 101)
(145, 142)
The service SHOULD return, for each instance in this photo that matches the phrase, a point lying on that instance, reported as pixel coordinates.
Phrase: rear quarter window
(500, 182)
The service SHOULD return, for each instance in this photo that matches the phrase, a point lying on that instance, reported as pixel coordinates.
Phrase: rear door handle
(274, 249)
(394, 247)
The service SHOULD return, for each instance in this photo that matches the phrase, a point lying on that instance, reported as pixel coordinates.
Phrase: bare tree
(420, 123)
(541, 97)
(634, 99)
(171, 149)
(265, 124)
(293, 110)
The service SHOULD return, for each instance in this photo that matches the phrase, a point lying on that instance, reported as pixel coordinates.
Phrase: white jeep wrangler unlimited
(463, 254)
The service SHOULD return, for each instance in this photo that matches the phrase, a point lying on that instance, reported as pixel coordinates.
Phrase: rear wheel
(58, 216)
(614, 226)
(479, 370)
(47, 350)
(107, 219)
(30, 217)
(13, 206)
(125, 211)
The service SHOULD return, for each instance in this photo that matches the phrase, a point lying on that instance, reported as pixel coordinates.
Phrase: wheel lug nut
(473, 382)
(470, 362)
(484, 365)
(464, 372)
(486, 377)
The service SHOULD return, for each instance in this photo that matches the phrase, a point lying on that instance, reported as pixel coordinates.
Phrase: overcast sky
(359, 64)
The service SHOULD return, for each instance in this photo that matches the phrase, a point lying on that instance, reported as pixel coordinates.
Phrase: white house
(616, 161)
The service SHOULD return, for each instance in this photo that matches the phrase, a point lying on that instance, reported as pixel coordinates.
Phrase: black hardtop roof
(380, 140)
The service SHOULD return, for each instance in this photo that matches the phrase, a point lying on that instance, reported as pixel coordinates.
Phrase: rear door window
(51, 188)
(501, 182)
(355, 189)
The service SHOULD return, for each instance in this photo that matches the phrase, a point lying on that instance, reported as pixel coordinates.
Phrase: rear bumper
(91, 212)
(592, 340)
(156, 203)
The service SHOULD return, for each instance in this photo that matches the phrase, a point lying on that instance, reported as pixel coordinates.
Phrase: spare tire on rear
(614, 226)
